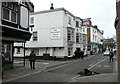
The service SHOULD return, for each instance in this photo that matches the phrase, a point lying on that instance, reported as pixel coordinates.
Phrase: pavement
(20, 71)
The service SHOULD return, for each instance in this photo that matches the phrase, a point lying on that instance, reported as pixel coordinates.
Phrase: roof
(52, 10)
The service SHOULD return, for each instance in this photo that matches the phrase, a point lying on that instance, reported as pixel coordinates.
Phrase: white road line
(96, 64)
(46, 63)
(92, 64)
(106, 66)
(34, 73)
(23, 76)
(76, 77)
(56, 67)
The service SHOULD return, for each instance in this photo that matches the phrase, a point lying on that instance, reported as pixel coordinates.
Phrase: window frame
(18, 50)
(77, 23)
(10, 15)
(70, 35)
(70, 51)
(35, 38)
(32, 19)
(69, 20)
(77, 37)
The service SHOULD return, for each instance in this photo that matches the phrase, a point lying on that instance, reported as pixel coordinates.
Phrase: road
(68, 71)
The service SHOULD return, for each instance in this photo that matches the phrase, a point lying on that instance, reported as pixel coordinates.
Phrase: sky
(101, 12)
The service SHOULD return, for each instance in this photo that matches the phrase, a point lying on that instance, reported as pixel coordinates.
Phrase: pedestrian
(3, 60)
(32, 60)
(79, 54)
(82, 54)
(111, 56)
(115, 52)
(76, 54)
(91, 53)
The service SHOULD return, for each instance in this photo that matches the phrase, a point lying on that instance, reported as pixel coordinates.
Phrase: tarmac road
(68, 71)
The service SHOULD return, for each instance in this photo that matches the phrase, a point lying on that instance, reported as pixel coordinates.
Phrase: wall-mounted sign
(55, 33)
(24, 17)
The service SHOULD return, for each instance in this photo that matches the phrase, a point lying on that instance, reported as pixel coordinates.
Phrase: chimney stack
(51, 6)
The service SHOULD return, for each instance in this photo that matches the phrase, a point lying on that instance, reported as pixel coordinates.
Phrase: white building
(57, 32)
(95, 40)
(94, 37)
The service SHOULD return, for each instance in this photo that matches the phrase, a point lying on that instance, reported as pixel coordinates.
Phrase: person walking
(32, 60)
(91, 53)
(82, 54)
(111, 56)
(3, 60)
(76, 54)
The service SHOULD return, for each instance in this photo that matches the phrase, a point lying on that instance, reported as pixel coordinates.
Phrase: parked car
(106, 53)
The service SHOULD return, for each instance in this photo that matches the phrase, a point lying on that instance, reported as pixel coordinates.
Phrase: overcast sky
(101, 12)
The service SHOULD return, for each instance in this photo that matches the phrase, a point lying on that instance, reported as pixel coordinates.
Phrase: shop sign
(55, 34)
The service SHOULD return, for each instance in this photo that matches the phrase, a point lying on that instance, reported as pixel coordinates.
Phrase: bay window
(10, 12)
(71, 35)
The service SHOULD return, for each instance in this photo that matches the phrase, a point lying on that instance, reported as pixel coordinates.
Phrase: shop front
(14, 27)
(9, 36)
(7, 52)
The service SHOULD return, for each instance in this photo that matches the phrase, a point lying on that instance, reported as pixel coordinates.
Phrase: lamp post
(117, 26)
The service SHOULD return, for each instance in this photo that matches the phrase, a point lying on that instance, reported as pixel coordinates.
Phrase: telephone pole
(117, 26)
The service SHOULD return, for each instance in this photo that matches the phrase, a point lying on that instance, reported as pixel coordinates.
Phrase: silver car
(106, 53)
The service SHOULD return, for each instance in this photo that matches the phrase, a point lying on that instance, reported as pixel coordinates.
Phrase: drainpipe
(24, 54)
(117, 26)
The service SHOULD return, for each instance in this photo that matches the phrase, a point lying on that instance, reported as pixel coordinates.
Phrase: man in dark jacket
(82, 54)
(76, 54)
(111, 56)
(32, 60)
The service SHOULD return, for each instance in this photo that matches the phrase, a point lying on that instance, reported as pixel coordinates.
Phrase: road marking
(76, 77)
(44, 70)
(46, 63)
(107, 66)
(96, 64)
(92, 64)
(23, 76)
(56, 67)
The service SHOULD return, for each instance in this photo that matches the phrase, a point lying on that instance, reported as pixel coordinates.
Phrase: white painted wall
(43, 24)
